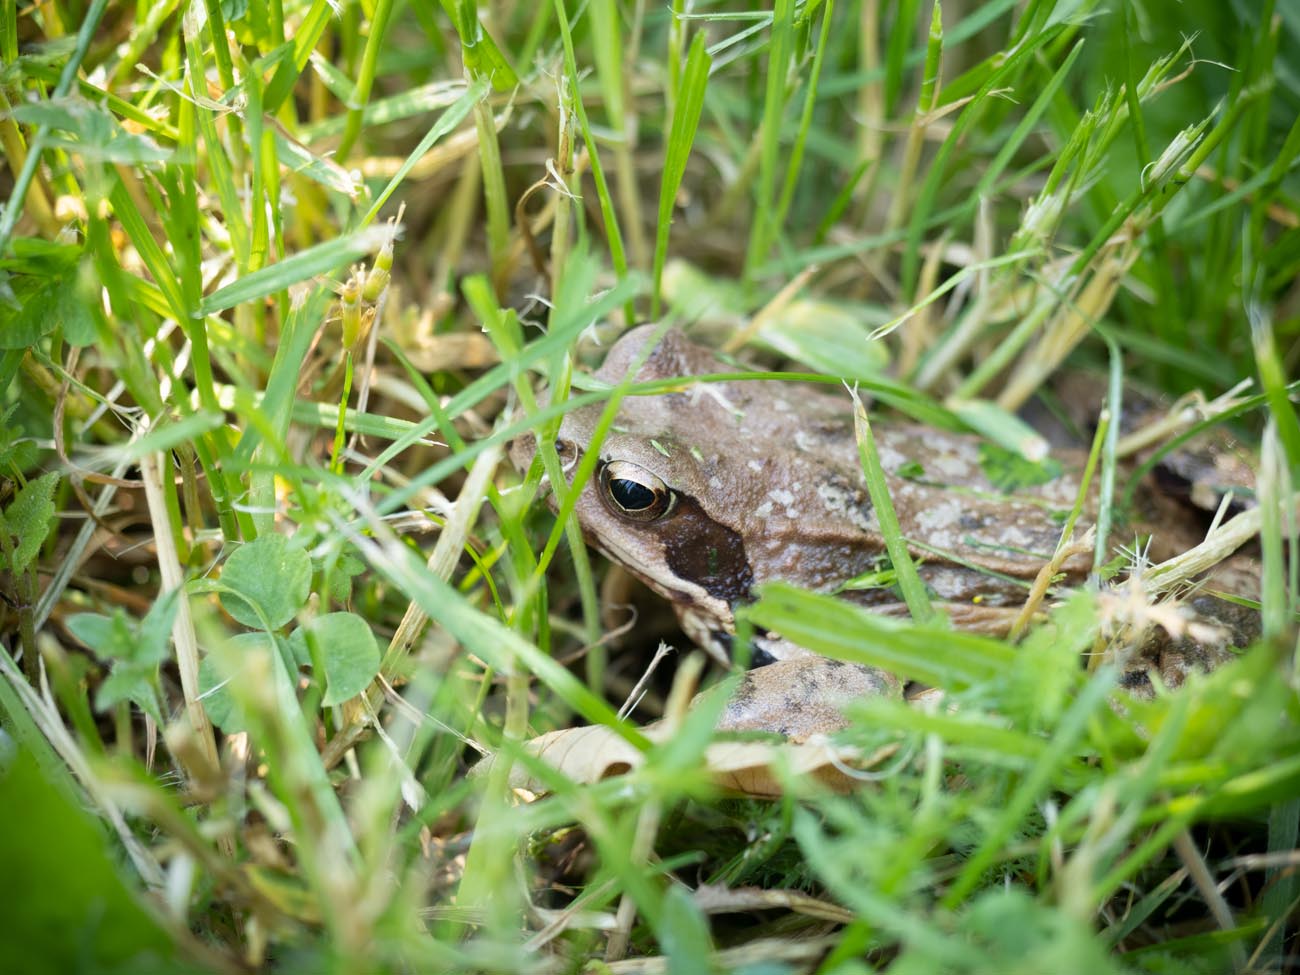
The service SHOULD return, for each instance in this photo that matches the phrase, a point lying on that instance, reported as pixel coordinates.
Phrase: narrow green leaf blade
(321, 259)
(835, 628)
(909, 580)
(686, 118)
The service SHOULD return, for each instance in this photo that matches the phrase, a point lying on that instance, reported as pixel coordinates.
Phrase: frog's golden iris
(632, 492)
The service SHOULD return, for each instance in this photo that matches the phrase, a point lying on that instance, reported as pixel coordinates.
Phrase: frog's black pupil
(631, 495)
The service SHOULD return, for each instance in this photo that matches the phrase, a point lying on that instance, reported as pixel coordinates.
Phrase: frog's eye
(634, 493)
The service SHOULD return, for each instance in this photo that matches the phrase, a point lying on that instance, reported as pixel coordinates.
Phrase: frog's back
(780, 462)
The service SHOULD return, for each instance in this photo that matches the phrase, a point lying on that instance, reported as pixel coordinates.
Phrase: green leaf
(97, 134)
(1004, 927)
(135, 649)
(832, 338)
(1010, 471)
(340, 575)
(110, 637)
(216, 680)
(779, 52)
(130, 682)
(163, 437)
(685, 935)
(75, 914)
(271, 574)
(34, 320)
(40, 257)
(53, 301)
(478, 50)
(29, 517)
(911, 470)
(296, 158)
(16, 452)
(74, 317)
(155, 629)
(447, 122)
(1048, 666)
(10, 360)
(1001, 426)
(909, 580)
(119, 637)
(345, 646)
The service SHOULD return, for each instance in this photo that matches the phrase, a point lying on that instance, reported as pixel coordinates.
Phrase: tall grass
(279, 282)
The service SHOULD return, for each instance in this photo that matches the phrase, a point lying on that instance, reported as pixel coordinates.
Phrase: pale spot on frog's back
(890, 459)
(806, 441)
(952, 467)
(940, 516)
(849, 502)
(938, 523)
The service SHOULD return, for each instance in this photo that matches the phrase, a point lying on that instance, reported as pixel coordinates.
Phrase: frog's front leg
(802, 697)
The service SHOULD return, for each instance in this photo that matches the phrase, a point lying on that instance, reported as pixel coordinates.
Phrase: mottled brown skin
(767, 485)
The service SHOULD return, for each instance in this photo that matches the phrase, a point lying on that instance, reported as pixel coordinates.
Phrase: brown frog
(707, 492)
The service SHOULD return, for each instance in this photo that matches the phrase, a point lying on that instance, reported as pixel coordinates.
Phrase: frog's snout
(522, 449)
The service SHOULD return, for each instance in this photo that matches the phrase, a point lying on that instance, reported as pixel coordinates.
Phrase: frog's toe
(802, 697)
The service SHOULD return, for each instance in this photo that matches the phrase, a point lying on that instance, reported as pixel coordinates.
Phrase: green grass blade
(909, 580)
(322, 259)
(686, 116)
(14, 209)
(379, 18)
(780, 51)
(447, 123)
(930, 654)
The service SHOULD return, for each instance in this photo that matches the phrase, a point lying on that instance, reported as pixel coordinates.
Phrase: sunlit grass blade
(686, 116)
(780, 51)
(305, 38)
(1071, 729)
(1009, 68)
(492, 640)
(927, 99)
(14, 209)
(324, 258)
(931, 654)
(608, 42)
(447, 122)
(379, 18)
(1077, 186)
(613, 233)
(909, 580)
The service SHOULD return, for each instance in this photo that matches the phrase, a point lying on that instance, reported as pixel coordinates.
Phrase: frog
(711, 489)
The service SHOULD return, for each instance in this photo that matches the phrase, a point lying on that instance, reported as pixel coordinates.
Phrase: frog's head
(658, 501)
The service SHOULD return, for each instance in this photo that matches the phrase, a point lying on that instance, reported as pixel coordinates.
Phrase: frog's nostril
(568, 453)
